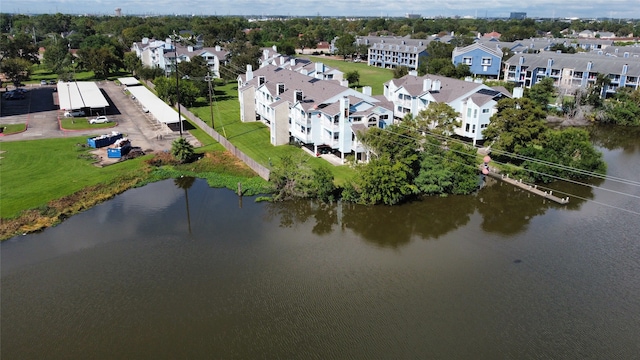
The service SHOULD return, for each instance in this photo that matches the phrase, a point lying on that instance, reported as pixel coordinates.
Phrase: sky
(614, 9)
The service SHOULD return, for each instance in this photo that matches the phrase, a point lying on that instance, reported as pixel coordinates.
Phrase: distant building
(518, 15)
(118, 12)
(413, 16)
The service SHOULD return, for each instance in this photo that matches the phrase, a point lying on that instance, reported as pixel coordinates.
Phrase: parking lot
(39, 110)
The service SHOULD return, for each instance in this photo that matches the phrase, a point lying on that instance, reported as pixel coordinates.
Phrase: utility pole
(175, 47)
(208, 79)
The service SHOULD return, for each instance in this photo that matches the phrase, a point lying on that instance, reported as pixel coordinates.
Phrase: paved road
(40, 111)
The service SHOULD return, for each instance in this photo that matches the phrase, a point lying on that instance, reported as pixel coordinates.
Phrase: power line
(568, 194)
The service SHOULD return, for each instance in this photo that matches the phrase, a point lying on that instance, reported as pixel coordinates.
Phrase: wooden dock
(530, 188)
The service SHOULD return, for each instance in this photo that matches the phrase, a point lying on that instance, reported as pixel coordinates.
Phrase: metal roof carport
(81, 95)
(129, 81)
(158, 108)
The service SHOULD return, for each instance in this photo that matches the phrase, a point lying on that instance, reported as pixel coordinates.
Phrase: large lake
(177, 270)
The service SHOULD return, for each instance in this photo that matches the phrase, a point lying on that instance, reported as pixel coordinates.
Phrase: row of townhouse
(270, 56)
(163, 54)
(484, 57)
(572, 71)
(311, 111)
(472, 100)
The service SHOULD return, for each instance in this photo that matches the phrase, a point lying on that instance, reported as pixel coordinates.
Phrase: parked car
(99, 120)
(74, 113)
(43, 82)
(52, 82)
(16, 95)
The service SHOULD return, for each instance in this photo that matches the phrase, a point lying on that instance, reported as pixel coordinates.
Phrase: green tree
(518, 123)
(353, 77)
(345, 45)
(16, 69)
(623, 108)
(292, 178)
(19, 46)
(541, 92)
(568, 148)
(242, 54)
(438, 117)
(450, 169)
(182, 150)
(131, 62)
(383, 181)
(57, 57)
(400, 71)
(102, 61)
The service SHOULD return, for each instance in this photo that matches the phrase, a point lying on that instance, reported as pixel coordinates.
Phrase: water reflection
(185, 182)
(505, 210)
(616, 137)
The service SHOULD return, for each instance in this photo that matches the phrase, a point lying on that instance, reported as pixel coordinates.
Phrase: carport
(160, 110)
(81, 95)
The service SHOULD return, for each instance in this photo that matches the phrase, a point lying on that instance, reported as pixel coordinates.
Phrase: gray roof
(600, 64)
(317, 94)
(491, 50)
(450, 89)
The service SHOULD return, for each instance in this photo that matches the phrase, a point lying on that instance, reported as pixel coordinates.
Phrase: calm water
(166, 272)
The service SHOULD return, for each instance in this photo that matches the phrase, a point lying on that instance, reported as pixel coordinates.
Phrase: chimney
(282, 60)
(344, 82)
(249, 73)
(518, 92)
(413, 73)
(366, 90)
(275, 48)
(426, 84)
(265, 53)
(435, 86)
(145, 40)
(344, 108)
(218, 48)
(319, 67)
(190, 48)
(292, 62)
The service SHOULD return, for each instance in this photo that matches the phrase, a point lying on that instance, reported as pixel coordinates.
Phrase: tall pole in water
(175, 46)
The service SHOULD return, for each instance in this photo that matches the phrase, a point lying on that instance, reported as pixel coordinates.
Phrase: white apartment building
(474, 101)
(317, 113)
(162, 54)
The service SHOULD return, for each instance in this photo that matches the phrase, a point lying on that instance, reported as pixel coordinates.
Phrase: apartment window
(336, 136)
(468, 112)
(466, 128)
(474, 129)
(485, 111)
(475, 113)
(467, 60)
(486, 61)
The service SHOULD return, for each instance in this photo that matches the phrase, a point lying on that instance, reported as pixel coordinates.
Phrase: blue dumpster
(104, 140)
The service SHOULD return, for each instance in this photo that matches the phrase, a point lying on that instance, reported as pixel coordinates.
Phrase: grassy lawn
(38, 171)
(369, 75)
(81, 123)
(253, 137)
(9, 129)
